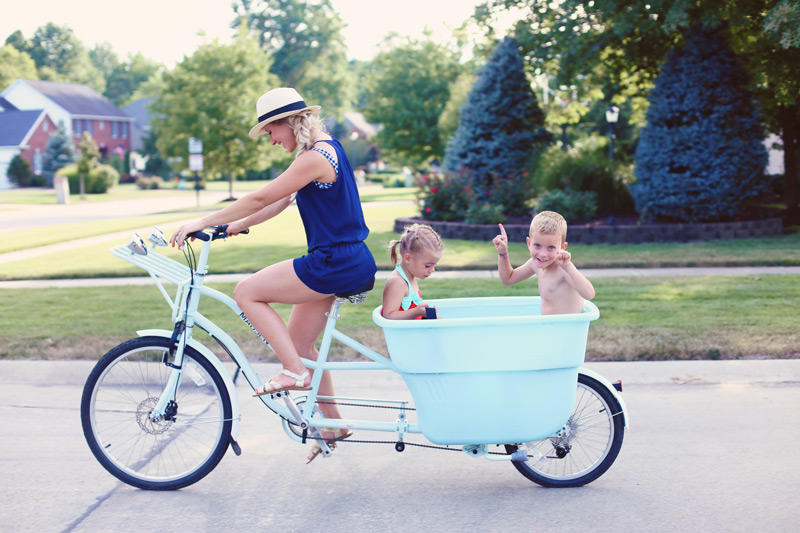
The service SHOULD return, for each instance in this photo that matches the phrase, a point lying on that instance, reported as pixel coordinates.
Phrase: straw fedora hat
(277, 104)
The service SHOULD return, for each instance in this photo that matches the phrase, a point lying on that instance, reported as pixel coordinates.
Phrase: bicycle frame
(190, 288)
(185, 315)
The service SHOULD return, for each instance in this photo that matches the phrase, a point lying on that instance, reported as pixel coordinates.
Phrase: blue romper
(338, 260)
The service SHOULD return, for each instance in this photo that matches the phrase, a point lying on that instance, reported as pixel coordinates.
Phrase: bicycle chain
(371, 406)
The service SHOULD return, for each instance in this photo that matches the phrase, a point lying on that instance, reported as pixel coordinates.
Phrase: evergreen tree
(700, 156)
(20, 173)
(59, 152)
(501, 126)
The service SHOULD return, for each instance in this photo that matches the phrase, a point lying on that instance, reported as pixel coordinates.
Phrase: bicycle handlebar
(220, 232)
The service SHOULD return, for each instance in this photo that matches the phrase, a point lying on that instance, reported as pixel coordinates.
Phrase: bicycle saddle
(357, 295)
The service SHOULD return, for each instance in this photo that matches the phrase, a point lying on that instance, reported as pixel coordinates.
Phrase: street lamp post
(612, 115)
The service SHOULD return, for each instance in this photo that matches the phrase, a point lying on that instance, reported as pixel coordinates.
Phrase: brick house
(23, 133)
(80, 108)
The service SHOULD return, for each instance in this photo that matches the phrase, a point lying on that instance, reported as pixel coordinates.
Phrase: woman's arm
(300, 173)
(258, 217)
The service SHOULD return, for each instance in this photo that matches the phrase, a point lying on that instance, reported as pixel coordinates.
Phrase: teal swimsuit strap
(412, 297)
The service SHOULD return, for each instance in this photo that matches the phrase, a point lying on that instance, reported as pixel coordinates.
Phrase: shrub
(149, 182)
(99, 180)
(108, 174)
(443, 197)
(484, 214)
(513, 194)
(585, 167)
(393, 180)
(455, 196)
(575, 206)
(19, 172)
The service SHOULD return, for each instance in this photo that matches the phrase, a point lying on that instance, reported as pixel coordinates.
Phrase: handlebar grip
(202, 235)
(219, 232)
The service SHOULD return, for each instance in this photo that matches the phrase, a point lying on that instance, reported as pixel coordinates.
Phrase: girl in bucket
(420, 248)
(337, 261)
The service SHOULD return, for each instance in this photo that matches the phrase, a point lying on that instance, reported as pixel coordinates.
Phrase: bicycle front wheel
(166, 453)
(585, 447)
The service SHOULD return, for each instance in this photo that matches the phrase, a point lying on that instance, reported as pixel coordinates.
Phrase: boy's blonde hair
(549, 223)
(414, 238)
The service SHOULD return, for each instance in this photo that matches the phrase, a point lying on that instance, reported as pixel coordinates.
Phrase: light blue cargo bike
(491, 378)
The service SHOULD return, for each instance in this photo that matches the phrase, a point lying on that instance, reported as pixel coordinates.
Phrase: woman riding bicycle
(338, 260)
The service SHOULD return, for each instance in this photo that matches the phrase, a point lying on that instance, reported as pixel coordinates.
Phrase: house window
(123, 127)
(38, 161)
(45, 126)
(114, 130)
(87, 126)
(76, 127)
(102, 124)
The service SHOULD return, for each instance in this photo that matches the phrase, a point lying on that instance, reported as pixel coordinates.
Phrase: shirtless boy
(562, 287)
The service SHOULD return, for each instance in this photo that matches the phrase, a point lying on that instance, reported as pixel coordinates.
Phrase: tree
(104, 59)
(59, 152)
(501, 126)
(155, 164)
(18, 41)
(60, 56)
(622, 45)
(700, 157)
(305, 42)
(407, 88)
(211, 95)
(15, 65)
(124, 79)
(87, 159)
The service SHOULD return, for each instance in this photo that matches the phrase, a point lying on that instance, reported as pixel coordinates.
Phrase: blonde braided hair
(302, 125)
(414, 238)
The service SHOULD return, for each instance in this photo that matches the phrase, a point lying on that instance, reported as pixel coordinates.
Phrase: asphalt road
(712, 447)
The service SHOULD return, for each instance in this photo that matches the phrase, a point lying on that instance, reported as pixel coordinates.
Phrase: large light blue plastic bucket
(490, 370)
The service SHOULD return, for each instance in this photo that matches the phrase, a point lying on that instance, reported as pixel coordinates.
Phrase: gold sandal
(273, 386)
(338, 434)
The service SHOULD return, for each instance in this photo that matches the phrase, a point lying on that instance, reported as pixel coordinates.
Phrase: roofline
(56, 104)
(102, 117)
(36, 124)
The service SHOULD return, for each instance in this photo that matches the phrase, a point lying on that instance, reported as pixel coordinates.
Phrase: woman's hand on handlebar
(181, 233)
(235, 228)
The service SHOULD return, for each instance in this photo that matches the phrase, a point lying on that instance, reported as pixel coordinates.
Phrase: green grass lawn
(284, 238)
(723, 317)
(641, 318)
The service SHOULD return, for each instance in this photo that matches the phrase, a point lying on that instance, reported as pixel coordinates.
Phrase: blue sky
(166, 30)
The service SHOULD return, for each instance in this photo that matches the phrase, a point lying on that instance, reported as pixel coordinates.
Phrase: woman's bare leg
(305, 325)
(277, 283)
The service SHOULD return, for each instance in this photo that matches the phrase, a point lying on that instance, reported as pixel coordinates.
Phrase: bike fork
(170, 392)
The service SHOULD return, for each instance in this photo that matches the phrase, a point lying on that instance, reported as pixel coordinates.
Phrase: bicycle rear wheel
(164, 454)
(585, 447)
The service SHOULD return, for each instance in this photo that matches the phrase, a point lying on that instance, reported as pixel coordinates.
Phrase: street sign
(196, 162)
(195, 146)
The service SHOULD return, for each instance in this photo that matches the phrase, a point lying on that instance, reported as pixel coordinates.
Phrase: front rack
(156, 264)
